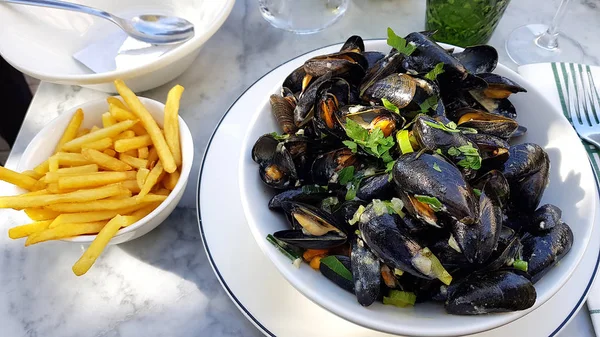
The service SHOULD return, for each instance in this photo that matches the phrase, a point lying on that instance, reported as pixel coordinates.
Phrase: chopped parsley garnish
(312, 189)
(399, 43)
(279, 137)
(437, 167)
(345, 175)
(433, 202)
(337, 267)
(450, 127)
(471, 159)
(433, 74)
(521, 265)
(390, 106)
(403, 139)
(477, 192)
(374, 142)
(430, 103)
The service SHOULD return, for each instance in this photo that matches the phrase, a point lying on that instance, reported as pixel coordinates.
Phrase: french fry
(142, 152)
(40, 214)
(19, 202)
(90, 255)
(110, 152)
(82, 217)
(94, 129)
(133, 161)
(99, 145)
(53, 188)
(158, 139)
(71, 130)
(71, 159)
(88, 180)
(42, 168)
(52, 177)
(18, 179)
(139, 130)
(141, 213)
(131, 153)
(116, 102)
(32, 174)
(108, 120)
(152, 179)
(53, 164)
(65, 231)
(109, 132)
(28, 229)
(82, 132)
(123, 115)
(171, 123)
(162, 191)
(105, 161)
(134, 143)
(152, 157)
(141, 176)
(170, 180)
(125, 135)
(104, 205)
(39, 192)
(131, 185)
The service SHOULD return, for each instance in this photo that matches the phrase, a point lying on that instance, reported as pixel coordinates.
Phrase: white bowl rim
(139, 70)
(181, 183)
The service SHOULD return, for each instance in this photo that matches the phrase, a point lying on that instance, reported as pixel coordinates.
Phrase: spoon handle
(68, 6)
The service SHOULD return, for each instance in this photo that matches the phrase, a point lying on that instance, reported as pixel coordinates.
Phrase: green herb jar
(464, 22)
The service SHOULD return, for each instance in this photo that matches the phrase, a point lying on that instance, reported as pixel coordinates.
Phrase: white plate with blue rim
(235, 221)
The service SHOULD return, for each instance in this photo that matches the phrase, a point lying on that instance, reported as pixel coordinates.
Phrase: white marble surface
(162, 283)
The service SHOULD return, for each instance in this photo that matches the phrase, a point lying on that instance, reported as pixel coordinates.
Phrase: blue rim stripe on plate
(216, 269)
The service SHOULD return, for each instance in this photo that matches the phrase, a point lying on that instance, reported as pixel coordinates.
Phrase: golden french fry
(162, 191)
(142, 152)
(71, 130)
(133, 161)
(171, 123)
(116, 102)
(82, 132)
(141, 176)
(152, 158)
(104, 205)
(39, 192)
(71, 159)
(53, 164)
(52, 177)
(141, 213)
(105, 161)
(82, 217)
(28, 229)
(120, 113)
(110, 152)
(88, 180)
(94, 129)
(53, 188)
(108, 120)
(99, 145)
(125, 135)
(42, 168)
(18, 179)
(158, 139)
(131, 185)
(40, 214)
(152, 179)
(90, 255)
(134, 143)
(65, 231)
(19, 202)
(32, 174)
(109, 132)
(171, 180)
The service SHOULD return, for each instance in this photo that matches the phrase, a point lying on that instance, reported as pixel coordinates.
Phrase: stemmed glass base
(530, 44)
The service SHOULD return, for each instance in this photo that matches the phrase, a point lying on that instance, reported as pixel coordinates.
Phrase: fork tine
(580, 97)
(595, 98)
(573, 109)
(586, 97)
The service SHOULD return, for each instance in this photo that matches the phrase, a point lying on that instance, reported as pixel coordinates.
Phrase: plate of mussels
(415, 188)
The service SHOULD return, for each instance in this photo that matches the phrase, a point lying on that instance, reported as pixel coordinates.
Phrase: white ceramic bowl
(41, 41)
(572, 188)
(42, 147)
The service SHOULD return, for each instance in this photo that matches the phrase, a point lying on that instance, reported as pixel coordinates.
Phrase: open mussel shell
(276, 165)
(404, 91)
(450, 258)
(295, 80)
(376, 187)
(335, 277)
(372, 58)
(488, 123)
(298, 195)
(325, 166)
(414, 174)
(299, 239)
(311, 220)
(345, 213)
(371, 117)
(496, 106)
(365, 273)
(498, 291)
(283, 111)
(333, 95)
(347, 64)
(499, 86)
(491, 148)
(478, 59)
(509, 246)
(389, 64)
(303, 112)
(544, 218)
(354, 43)
(542, 251)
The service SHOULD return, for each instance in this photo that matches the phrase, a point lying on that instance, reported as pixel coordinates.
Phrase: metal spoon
(155, 29)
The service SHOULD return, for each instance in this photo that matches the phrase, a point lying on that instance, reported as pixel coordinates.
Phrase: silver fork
(583, 101)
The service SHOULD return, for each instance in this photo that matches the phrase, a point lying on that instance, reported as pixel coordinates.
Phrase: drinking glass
(464, 22)
(302, 16)
(537, 43)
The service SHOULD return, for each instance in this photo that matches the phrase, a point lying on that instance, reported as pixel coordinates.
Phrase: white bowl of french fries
(105, 172)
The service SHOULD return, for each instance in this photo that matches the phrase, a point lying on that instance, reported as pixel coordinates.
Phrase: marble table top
(162, 284)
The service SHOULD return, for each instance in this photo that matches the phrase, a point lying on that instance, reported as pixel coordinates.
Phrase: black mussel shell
(371, 117)
(507, 251)
(325, 167)
(295, 80)
(544, 218)
(499, 291)
(500, 87)
(334, 277)
(333, 95)
(347, 64)
(488, 123)
(298, 238)
(495, 106)
(312, 220)
(542, 251)
(354, 43)
(264, 149)
(478, 59)
(345, 213)
(384, 67)
(298, 195)
(491, 148)
(376, 187)
(450, 258)
(303, 112)
(366, 273)
(372, 58)
(414, 174)
(283, 111)
(399, 89)
(520, 131)
(277, 168)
